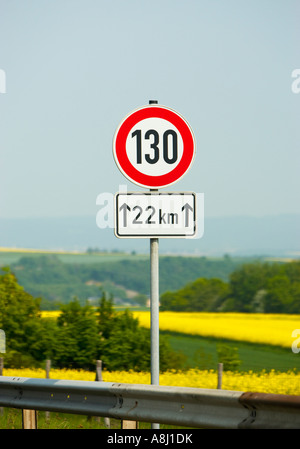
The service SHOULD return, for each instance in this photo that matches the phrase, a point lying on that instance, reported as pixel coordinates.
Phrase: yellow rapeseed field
(255, 328)
(271, 382)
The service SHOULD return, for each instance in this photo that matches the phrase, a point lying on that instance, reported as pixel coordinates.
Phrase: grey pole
(154, 307)
(154, 310)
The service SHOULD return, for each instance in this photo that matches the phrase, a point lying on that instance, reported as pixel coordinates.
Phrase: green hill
(58, 279)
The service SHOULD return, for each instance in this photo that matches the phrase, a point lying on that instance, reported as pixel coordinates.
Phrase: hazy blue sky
(75, 68)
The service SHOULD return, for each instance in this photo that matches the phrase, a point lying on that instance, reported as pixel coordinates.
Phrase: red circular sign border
(124, 163)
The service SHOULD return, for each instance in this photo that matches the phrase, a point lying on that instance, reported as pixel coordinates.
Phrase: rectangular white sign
(154, 214)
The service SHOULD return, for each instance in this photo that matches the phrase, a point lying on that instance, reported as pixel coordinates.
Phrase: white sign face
(154, 146)
(151, 215)
(160, 146)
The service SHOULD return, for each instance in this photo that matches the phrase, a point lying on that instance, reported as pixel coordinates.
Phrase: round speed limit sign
(154, 146)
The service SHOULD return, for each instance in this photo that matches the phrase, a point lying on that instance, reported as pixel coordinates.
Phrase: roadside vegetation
(243, 319)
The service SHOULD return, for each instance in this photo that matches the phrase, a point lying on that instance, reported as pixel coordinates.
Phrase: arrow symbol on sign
(187, 208)
(125, 208)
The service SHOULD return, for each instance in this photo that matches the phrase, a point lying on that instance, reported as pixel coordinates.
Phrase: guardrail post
(220, 373)
(29, 419)
(48, 366)
(99, 378)
(129, 425)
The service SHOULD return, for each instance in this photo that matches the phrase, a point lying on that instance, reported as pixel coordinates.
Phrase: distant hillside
(269, 236)
(48, 277)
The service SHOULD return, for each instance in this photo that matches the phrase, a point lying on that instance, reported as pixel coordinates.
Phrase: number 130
(154, 158)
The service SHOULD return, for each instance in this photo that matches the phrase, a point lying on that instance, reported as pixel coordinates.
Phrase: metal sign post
(154, 310)
(154, 147)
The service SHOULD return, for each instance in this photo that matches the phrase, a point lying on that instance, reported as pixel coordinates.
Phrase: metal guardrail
(182, 406)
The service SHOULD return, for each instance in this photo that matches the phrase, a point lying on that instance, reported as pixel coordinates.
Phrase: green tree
(282, 296)
(21, 321)
(77, 338)
(200, 295)
(266, 287)
(127, 346)
(228, 355)
(106, 315)
(246, 281)
(84, 335)
(124, 344)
